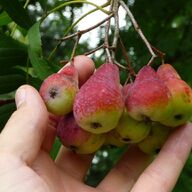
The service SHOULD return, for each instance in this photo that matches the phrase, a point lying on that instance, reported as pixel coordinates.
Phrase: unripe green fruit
(155, 139)
(130, 130)
(112, 139)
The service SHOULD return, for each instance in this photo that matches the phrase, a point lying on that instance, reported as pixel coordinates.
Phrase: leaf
(12, 52)
(4, 19)
(5, 113)
(17, 13)
(55, 149)
(41, 65)
(11, 82)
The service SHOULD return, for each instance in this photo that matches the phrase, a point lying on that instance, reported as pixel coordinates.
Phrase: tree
(31, 45)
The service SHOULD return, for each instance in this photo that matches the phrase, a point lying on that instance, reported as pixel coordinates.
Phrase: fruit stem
(83, 16)
(115, 9)
(57, 8)
(71, 27)
(124, 51)
(139, 31)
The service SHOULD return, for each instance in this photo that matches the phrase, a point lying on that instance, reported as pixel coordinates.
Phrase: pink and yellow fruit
(74, 137)
(148, 97)
(181, 96)
(58, 91)
(99, 103)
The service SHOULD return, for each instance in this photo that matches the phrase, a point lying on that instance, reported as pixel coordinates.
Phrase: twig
(94, 50)
(74, 24)
(139, 31)
(75, 47)
(82, 17)
(121, 66)
(106, 40)
(130, 68)
(159, 53)
(116, 33)
(81, 32)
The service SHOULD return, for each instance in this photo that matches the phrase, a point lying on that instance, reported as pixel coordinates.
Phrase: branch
(130, 68)
(116, 33)
(139, 31)
(73, 2)
(82, 17)
(87, 30)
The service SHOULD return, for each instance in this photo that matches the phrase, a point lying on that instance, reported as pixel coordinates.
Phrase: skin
(25, 164)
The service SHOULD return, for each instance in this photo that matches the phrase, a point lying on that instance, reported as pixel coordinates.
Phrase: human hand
(25, 164)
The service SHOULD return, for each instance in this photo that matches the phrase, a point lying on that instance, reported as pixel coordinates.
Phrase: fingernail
(20, 96)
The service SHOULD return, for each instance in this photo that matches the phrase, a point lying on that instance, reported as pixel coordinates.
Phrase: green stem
(73, 2)
(74, 24)
(83, 16)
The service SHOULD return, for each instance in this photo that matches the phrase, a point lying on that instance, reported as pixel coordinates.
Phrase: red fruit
(166, 71)
(99, 103)
(58, 91)
(148, 97)
(77, 139)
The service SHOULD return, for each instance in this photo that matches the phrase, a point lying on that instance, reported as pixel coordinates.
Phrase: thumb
(25, 130)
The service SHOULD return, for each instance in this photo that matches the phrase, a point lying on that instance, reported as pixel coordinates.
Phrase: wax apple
(74, 137)
(148, 97)
(155, 139)
(58, 91)
(99, 103)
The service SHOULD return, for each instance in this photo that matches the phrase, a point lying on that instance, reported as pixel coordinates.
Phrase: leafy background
(27, 44)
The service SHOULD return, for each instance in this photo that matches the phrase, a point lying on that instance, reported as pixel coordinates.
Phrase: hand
(25, 164)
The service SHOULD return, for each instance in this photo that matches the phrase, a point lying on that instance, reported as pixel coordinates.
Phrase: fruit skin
(181, 94)
(148, 97)
(112, 139)
(166, 71)
(130, 130)
(155, 139)
(99, 103)
(59, 89)
(77, 139)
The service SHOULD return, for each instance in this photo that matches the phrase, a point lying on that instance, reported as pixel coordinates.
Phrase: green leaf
(5, 113)
(17, 13)
(55, 149)
(11, 82)
(4, 19)
(12, 52)
(40, 64)
(34, 38)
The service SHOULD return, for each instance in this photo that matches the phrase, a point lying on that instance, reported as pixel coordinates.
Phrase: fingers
(163, 173)
(123, 176)
(85, 67)
(74, 164)
(25, 130)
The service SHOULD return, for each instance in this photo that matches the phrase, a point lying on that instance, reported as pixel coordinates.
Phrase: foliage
(28, 38)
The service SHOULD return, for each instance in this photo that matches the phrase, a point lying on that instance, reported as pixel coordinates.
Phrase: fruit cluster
(103, 112)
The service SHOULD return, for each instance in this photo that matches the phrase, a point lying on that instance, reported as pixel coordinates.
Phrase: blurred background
(167, 24)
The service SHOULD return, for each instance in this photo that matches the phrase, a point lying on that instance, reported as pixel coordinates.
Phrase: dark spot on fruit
(96, 125)
(53, 92)
(157, 150)
(73, 148)
(125, 139)
(178, 116)
(112, 146)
